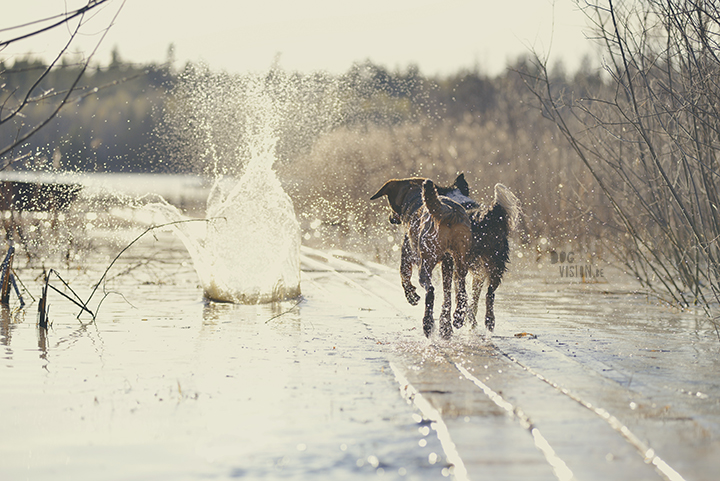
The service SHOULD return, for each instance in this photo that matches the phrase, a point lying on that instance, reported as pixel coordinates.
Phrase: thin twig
(67, 17)
(78, 302)
(285, 312)
(80, 305)
(149, 229)
(64, 100)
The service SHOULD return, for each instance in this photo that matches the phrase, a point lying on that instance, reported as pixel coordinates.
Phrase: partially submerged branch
(43, 305)
(124, 249)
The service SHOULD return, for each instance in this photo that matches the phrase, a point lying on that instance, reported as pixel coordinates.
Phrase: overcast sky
(441, 37)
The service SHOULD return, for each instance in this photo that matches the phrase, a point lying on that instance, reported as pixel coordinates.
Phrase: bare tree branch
(65, 18)
(28, 98)
(651, 139)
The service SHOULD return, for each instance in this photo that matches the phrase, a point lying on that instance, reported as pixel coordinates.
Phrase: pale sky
(441, 37)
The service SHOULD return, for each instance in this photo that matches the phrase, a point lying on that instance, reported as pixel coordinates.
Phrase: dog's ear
(462, 185)
(396, 191)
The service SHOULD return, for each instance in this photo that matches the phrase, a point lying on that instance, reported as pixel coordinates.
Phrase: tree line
(107, 125)
(114, 119)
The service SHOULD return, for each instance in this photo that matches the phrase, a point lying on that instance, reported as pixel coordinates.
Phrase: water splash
(249, 251)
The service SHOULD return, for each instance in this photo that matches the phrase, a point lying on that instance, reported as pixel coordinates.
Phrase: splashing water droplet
(249, 251)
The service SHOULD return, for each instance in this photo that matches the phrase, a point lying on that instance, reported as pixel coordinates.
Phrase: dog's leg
(447, 278)
(426, 282)
(478, 279)
(461, 295)
(495, 279)
(406, 262)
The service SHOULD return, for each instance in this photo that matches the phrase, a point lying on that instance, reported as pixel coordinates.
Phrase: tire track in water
(560, 468)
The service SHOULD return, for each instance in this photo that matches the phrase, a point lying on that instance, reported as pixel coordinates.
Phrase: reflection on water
(42, 343)
(5, 325)
(171, 386)
(186, 388)
(9, 319)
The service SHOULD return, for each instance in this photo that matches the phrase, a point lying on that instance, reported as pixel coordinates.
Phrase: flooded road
(579, 381)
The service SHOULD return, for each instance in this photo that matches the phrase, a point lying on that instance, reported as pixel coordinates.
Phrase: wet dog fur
(489, 251)
(437, 230)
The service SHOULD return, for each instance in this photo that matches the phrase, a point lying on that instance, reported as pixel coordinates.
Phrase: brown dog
(489, 250)
(437, 229)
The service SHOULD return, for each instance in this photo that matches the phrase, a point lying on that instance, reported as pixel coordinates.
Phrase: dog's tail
(445, 211)
(512, 206)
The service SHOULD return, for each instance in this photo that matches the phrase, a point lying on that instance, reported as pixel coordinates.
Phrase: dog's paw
(459, 320)
(490, 323)
(428, 326)
(445, 325)
(472, 321)
(412, 297)
(446, 331)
